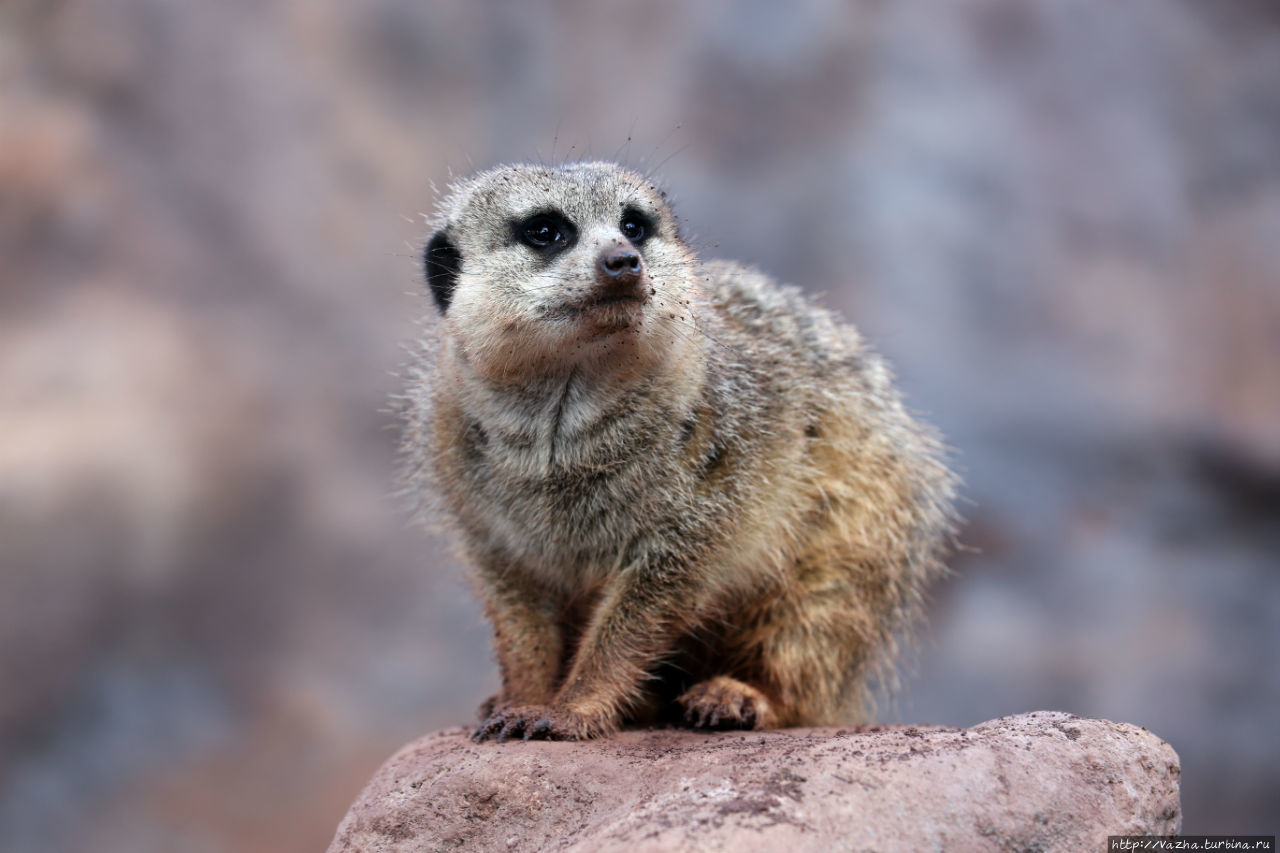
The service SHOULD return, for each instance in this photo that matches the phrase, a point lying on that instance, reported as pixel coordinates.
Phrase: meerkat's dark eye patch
(441, 260)
(546, 232)
(635, 226)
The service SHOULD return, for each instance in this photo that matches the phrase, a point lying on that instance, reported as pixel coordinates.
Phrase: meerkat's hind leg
(724, 702)
(814, 650)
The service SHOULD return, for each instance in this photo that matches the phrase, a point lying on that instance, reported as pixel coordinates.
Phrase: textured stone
(1040, 781)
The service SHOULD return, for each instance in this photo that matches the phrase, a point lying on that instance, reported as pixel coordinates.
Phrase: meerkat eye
(635, 226)
(543, 231)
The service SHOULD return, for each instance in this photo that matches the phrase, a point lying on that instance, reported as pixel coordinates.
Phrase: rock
(1040, 781)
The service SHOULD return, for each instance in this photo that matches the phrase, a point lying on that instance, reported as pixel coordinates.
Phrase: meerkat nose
(620, 263)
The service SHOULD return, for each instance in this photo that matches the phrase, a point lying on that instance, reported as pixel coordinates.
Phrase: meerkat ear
(441, 261)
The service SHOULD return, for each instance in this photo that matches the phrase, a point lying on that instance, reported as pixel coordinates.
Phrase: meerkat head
(540, 270)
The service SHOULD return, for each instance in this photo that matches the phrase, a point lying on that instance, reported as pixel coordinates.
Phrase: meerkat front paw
(726, 703)
(540, 722)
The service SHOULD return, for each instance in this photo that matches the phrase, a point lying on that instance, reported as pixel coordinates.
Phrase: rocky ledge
(1040, 781)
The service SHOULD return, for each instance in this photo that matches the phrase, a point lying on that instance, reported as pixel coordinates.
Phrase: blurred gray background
(1060, 220)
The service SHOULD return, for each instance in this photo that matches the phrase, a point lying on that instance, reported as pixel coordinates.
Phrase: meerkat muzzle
(619, 275)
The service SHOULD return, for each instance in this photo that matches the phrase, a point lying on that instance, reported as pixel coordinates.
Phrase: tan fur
(712, 502)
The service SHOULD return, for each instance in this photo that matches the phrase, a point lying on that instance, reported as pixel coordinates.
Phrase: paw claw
(724, 702)
(486, 729)
(539, 722)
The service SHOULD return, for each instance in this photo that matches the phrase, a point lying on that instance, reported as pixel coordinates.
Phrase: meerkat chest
(569, 479)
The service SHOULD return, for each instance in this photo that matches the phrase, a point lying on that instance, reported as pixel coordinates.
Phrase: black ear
(442, 260)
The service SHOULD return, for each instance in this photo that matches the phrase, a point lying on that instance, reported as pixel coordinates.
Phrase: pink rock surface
(1039, 781)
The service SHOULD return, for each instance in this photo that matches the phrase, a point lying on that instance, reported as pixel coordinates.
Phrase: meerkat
(686, 492)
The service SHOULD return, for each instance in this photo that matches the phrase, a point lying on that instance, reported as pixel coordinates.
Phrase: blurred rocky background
(1060, 220)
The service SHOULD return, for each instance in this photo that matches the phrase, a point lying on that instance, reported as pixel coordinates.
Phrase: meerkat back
(684, 492)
